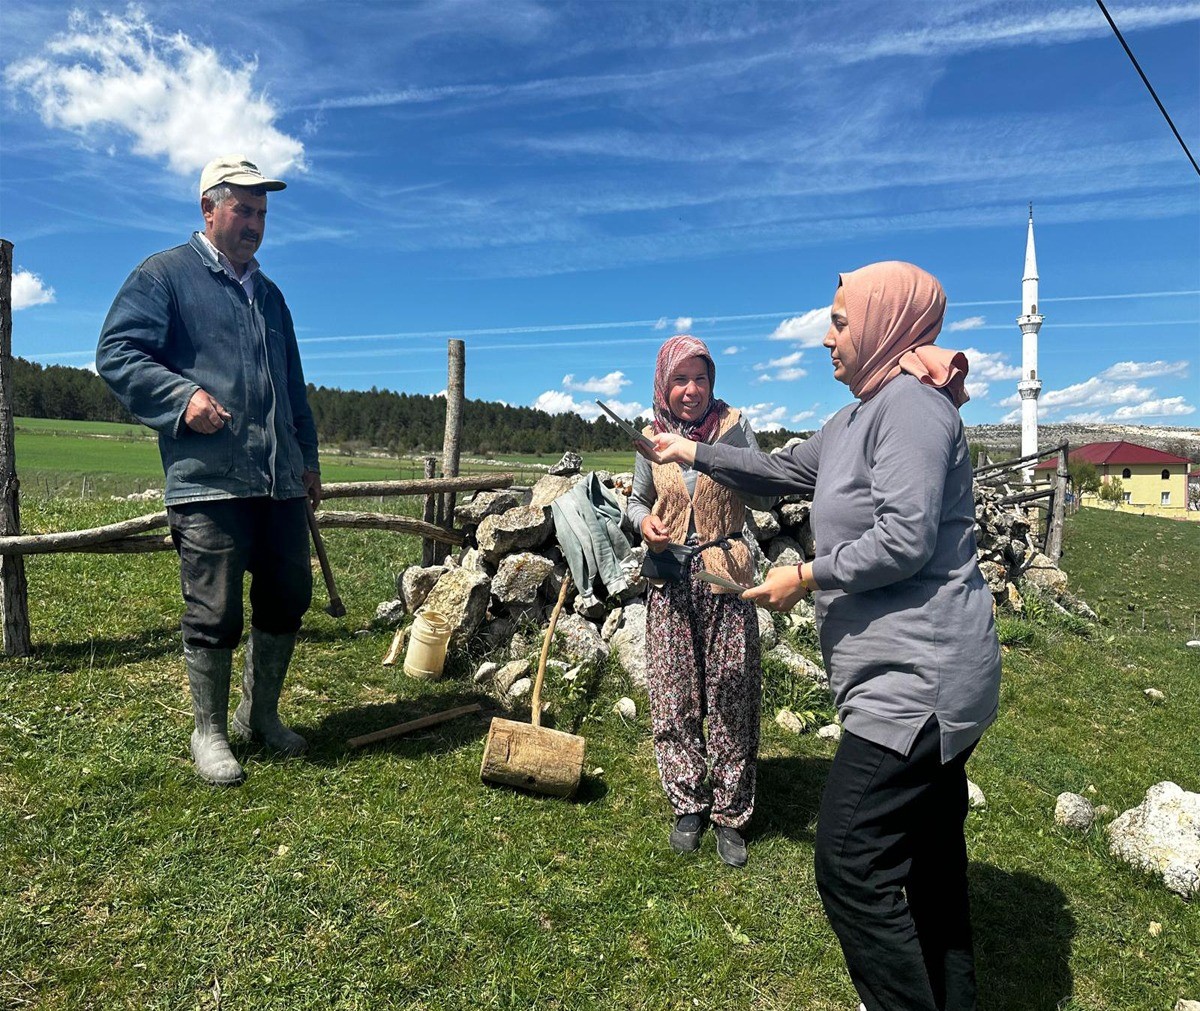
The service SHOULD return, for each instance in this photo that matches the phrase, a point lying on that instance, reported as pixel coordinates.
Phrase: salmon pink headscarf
(895, 311)
(674, 352)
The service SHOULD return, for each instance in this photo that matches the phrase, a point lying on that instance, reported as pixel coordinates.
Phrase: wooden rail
(1056, 495)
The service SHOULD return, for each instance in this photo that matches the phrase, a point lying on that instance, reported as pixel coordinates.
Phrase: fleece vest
(716, 510)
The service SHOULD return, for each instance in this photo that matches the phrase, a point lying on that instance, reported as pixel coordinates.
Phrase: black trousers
(218, 543)
(891, 868)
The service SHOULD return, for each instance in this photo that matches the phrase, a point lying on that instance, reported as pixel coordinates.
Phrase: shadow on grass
(151, 644)
(1023, 929)
(788, 795)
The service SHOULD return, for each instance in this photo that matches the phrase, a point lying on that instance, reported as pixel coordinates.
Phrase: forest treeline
(398, 422)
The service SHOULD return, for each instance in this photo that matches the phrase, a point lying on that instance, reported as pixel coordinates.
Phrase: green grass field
(391, 877)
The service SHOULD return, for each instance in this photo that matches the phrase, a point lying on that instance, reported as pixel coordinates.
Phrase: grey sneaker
(731, 847)
(686, 833)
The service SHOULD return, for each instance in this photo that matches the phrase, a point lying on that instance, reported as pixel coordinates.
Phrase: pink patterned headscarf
(674, 352)
(895, 313)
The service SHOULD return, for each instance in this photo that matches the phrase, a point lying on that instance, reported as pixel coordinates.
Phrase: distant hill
(1003, 441)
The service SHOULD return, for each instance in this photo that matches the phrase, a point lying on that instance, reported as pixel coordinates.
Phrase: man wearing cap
(199, 346)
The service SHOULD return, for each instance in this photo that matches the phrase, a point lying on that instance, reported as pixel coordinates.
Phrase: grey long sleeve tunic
(905, 616)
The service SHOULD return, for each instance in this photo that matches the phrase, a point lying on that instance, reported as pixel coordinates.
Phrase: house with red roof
(1151, 481)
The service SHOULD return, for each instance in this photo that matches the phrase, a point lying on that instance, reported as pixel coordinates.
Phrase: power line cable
(1146, 81)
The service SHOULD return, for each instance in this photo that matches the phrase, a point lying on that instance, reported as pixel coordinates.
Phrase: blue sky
(564, 185)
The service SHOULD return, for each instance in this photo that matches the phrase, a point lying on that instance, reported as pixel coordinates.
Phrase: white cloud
(1144, 370)
(970, 323)
(807, 330)
(29, 289)
(610, 385)
(988, 365)
(784, 362)
(765, 417)
(1169, 407)
(557, 402)
(1086, 418)
(802, 416)
(1093, 392)
(786, 369)
(174, 97)
(683, 324)
(977, 391)
(733, 349)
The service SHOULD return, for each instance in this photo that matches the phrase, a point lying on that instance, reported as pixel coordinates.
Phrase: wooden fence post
(14, 591)
(452, 440)
(428, 547)
(1054, 538)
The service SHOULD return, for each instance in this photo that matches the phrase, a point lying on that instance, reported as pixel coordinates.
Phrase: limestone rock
(1074, 812)
(509, 675)
(581, 639)
(519, 690)
(1013, 596)
(390, 612)
(789, 721)
(1045, 575)
(589, 606)
(611, 623)
(975, 795)
(416, 582)
(486, 672)
(767, 638)
(808, 543)
(831, 732)
(793, 514)
(784, 550)
(625, 707)
(629, 641)
(1153, 695)
(1187, 1005)
(764, 525)
(485, 503)
(518, 529)
(798, 664)
(996, 576)
(1162, 834)
(471, 559)
(551, 486)
(1193, 644)
(519, 577)
(570, 463)
(462, 597)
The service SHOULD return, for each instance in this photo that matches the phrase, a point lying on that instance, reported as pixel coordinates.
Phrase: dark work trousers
(218, 543)
(891, 867)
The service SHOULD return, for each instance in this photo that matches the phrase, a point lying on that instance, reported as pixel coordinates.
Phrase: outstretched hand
(668, 448)
(781, 590)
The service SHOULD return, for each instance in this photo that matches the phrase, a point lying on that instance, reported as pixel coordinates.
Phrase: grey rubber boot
(208, 677)
(257, 715)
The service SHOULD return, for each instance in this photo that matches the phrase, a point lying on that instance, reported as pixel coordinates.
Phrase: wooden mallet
(530, 756)
(336, 608)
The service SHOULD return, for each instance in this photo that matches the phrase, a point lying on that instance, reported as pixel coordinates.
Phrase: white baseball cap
(237, 170)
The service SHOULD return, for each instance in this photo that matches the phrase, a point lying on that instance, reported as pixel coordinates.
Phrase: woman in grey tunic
(906, 630)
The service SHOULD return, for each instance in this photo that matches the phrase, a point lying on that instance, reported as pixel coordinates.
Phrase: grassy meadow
(390, 877)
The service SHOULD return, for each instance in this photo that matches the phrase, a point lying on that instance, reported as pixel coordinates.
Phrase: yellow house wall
(1146, 485)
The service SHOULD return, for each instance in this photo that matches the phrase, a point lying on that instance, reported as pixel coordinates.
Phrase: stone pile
(498, 591)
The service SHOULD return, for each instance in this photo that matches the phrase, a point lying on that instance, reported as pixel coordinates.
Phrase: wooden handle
(419, 724)
(536, 714)
(336, 608)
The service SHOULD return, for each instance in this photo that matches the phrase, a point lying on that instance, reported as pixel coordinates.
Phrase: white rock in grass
(766, 629)
(390, 612)
(1154, 696)
(486, 672)
(1073, 811)
(831, 732)
(975, 795)
(1187, 1005)
(519, 690)
(1193, 644)
(626, 708)
(509, 675)
(1162, 835)
(789, 721)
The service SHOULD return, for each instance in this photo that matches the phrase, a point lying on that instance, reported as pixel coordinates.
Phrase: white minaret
(1030, 322)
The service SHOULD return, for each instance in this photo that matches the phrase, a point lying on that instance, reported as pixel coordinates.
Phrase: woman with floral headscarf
(906, 630)
(702, 647)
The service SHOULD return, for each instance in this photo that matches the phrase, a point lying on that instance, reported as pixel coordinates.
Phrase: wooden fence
(1055, 500)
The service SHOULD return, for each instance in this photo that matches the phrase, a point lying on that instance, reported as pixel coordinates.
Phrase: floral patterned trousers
(703, 659)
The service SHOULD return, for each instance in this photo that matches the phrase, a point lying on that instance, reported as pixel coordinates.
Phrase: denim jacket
(181, 323)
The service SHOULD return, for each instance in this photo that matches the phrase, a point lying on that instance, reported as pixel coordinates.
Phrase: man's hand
(654, 533)
(204, 415)
(312, 486)
(780, 591)
(668, 448)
